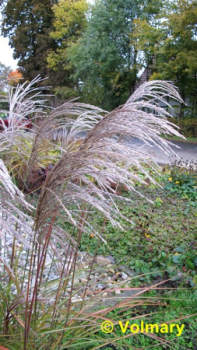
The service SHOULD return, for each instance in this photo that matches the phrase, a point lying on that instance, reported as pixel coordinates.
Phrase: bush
(188, 126)
(41, 304)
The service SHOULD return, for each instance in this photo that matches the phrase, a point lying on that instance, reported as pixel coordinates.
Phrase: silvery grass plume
(84, 170)
(24, 100)
(12, 193)
(14, 223)
(84, 173)
(20, 102)
(61, 125)
(35, 150)
(80, 180)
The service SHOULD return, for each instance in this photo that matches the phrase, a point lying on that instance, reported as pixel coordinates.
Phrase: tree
(14, 77)
(4, 72)
(103, 57)
(147, 37)
(173, 42)
(1, 3)
(69, 23)
(28, 23)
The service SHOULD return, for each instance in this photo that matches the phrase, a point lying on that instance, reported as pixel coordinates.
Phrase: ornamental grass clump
(41, 308)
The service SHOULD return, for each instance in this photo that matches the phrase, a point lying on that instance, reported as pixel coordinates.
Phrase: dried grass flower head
(85, 167)
(107, 154)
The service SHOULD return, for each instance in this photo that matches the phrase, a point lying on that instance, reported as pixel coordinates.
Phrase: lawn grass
(176, 138)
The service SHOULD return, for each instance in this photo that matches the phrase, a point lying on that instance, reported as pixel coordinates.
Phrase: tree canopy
(28, 24)
(14, 78)
(4, 72)
(69, 23)
(173, 43)
(96, 52)
(103, 58)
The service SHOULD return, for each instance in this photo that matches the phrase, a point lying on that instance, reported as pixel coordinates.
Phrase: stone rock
(102, 260)
(76, 281)
(124, 276)
(80, 266)
(126, 270)
(102, 277)
(111, 258)
(117, 292)
(83, 280)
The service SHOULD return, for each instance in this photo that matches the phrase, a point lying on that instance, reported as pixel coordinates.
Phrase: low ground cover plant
(174, 303)
(163, 234)
(188, 127)
(54, 192)
(183, 181)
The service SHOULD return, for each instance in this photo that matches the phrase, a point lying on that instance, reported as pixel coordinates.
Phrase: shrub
(188, 126)
(40, 307)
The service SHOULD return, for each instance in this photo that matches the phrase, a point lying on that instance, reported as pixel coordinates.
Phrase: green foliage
(182, 183)
(188, 126)
(68, 25)
(187, 258)
(28, 23)
(4, 71)
(44, 302)
(155, 229)
(171, 40)
(175, 304)
(143, 30)
(104, 60)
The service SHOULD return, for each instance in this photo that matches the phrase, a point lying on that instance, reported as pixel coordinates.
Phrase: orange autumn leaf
(14, 77)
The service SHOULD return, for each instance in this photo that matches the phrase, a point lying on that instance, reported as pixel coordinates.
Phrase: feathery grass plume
(11, 215)
(85, 174)
(26, 99)
(23, 101)
(107, 157)
(16, 230)
(12, 191)
(60, 124)
(81, 179)
(152, 97)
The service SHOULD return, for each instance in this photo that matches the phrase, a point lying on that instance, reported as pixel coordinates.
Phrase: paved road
(186, 151)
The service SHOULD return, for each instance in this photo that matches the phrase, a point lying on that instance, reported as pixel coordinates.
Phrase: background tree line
(97, 51)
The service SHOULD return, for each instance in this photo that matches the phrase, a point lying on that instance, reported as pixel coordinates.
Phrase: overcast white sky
(6, 53)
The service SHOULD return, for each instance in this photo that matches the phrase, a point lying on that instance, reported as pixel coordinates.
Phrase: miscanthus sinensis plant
(40, 307)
